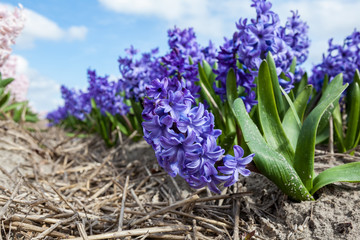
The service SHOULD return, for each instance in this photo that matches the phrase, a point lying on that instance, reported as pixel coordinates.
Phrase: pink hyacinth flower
(20, 85)
(11, 24)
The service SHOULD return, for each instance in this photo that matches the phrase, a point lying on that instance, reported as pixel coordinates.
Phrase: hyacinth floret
(185, 42)
(58, 115)
(183, 135)
(11, 24)
(295, 34)
(252, 41)
(106, 94)
(136, 74)
(210, 53)
(181, 62)
(184, 56)
(339, 59)
(233, 165)
(20, 85)
(76, 103)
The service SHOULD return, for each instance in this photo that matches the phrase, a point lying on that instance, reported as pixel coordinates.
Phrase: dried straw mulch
(56, 187)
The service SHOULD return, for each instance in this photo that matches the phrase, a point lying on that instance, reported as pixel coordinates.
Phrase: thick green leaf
(353, 118)
(269, 117)
(31, 118)
(325, 82)
(289, 123)
(231, 88)
(204, 81)
(324, 122)
(280, 104)
(305, 148)
(322, 136)
(17, 113)
(209, 72)
(5, 82)
(301, 85)
(338, 126)
(13, 106)
(292, 107)
(349, 172)
(357, 141)
(270, 163)
(357, 77)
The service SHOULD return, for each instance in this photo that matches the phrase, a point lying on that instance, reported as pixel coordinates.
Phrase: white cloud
(77, 32)
(43, 93)
(162, 8)
(182, 13)
(38, 27)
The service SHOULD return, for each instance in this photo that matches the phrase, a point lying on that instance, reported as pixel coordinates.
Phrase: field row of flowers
(211, 114)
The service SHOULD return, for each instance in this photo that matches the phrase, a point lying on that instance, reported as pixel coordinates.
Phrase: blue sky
(63, 38)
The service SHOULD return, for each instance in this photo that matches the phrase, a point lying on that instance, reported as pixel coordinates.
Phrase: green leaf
(290, 123)
(209, 72)
(357, 141)
(190, 60)
(231, 88)
(349, 172)
(31, 118)
(4, 99)
(228, 142)
(110, 117)
(123, 129)
(305, 148)
(13, 106)
(301, 85)
(357, 77)
(293, 66)
(208, 93)
(325, 82)
(338, 126)
(5, 82)
(117, 123)
(204, 80)
(322, 136)
(324, 122)
(354, 117)
(269, 117)
(270, 163)
(292, 107)
(275, 83)
(17, 112)
(136, 106)
(93, 104)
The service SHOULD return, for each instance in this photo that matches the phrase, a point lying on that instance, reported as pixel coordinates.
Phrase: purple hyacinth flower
(174, 104)
(157, 88)
(194, 119)
(157, 127)
(233, 166)
(175, 148)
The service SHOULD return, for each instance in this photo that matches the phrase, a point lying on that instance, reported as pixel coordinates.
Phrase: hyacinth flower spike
(184, 139)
